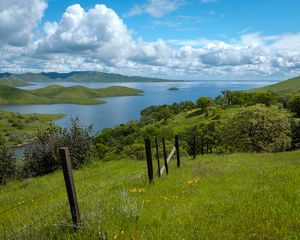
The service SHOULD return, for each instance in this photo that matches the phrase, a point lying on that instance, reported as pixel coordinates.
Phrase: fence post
(70, 186)
(149, 159)
(165, 155)
(194, 147)
(157, 156)
(177, 150)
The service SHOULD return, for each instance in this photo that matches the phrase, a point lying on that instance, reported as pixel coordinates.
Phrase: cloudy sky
(175, 39)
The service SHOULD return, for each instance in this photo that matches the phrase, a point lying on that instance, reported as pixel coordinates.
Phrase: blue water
(122, 109)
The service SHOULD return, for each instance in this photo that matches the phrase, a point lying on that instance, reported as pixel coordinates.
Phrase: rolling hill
(12, 83)
(80, 76)
(58, 94)
(288, 86)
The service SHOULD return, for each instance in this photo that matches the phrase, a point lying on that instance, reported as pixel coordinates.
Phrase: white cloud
(155, 8)
(98, 39)
(18, 18)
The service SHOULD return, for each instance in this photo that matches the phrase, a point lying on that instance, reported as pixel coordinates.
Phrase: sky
(173, 39)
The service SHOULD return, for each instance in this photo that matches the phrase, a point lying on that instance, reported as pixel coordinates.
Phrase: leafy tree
(7, 165)
(204, 103)
(257, 129)
(294, 104)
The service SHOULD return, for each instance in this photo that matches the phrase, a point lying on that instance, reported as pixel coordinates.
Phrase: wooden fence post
(177, 150)
(165, 155)
(149, 159)
(70, 186)
(157, 156)
(194, 147)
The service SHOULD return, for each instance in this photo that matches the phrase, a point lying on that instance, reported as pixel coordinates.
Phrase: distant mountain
(287, 86)
(85, 76)
(12, 83)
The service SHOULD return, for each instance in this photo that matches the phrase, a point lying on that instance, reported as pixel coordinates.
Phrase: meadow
(233, 196)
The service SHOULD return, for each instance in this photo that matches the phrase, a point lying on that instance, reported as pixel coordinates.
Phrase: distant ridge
(80, 76)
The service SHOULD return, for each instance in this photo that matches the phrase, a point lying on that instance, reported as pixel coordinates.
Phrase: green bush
(135, 151)
(257, 129)
(7, 165)
(42, 157)
(294, 104)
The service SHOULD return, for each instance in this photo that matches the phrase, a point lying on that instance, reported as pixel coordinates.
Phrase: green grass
(12, 83)
(58, 94)
(185, 120)
(238, 196)
(19, 129)
(290, 85)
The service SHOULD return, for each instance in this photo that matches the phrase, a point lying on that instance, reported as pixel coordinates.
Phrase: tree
(294, 104)
(204, 103)
(257, 129)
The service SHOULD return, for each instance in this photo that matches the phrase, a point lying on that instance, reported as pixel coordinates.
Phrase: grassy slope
(291, 85)
(239, 196)
(31, 123)
(12, 83)
(59, 94)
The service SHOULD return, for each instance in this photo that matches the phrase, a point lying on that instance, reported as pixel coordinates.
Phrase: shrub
(257, 129)
(135, 151)
(42, 156)
(7, 165)
(294, 104)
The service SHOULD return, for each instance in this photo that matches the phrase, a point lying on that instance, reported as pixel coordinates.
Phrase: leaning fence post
(70, 186)
(157, 156)
(165, 155)
(194, 147)
(149, 159)
(177, 150)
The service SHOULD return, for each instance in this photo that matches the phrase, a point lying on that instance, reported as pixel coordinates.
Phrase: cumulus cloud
(98, 39)
(155, 8)
(98, 30)
(18, 18)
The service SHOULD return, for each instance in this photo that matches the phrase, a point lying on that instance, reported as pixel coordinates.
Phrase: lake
(122, 109)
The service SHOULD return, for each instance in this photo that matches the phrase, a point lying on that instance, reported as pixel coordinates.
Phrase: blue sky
(178, 39)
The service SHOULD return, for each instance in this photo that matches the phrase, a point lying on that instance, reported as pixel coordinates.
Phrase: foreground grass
(18, 129)
(239, 196)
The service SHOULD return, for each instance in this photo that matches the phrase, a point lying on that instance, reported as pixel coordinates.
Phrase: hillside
(86, 76)
(59, 94)
(12, 83)
(238, 196)
(288, 86)
(17, 129)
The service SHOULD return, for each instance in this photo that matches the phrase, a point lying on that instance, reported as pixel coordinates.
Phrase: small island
(173, 89)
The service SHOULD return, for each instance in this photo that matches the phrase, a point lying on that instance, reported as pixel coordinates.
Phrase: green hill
(288, 86)
(12, 83)
(84, 76)
(59, 94)
(234, 196)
